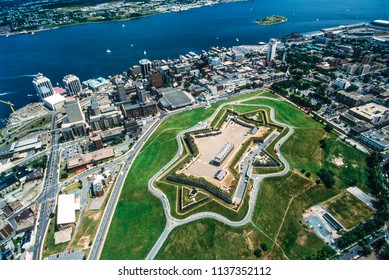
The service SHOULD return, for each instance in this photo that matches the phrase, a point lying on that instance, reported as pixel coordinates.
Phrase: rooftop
(370, 110)
(66, 209)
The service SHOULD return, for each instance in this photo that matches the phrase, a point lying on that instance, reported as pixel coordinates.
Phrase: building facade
(72, 84)
(43, 86)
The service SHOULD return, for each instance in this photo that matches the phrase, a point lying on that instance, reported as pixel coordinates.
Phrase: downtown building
(74, 125)
(72, 84)
(43, 86)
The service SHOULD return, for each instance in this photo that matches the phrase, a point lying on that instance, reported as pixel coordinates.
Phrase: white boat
(123, 25)
(144, 52)
(108, 51)
(237, 39)
(132, 45)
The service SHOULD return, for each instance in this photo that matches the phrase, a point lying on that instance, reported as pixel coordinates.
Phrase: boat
(237, 39)
(144, 52)
(29, 95)
(317, 19)
(132, 45)
(108, 51)
(123, 25)
(217, 38)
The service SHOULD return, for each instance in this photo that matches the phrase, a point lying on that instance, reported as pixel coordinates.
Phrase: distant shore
(155, 12)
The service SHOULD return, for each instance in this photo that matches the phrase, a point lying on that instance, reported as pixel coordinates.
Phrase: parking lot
(71, 151)
(75, 254)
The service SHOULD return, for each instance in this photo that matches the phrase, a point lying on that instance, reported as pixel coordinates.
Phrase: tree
(258, 253)
(384, 252)
(329, 127)
(327, 177)
(265, 246)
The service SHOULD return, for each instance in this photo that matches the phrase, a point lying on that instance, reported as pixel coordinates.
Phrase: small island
(270, 20)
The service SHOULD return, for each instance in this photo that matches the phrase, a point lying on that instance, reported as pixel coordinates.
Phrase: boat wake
(16, 77)
(6, 93)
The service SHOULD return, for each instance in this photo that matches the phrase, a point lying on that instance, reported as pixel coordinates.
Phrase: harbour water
(82, 49)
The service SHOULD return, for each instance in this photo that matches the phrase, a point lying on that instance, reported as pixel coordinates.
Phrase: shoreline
(267, 24)
(40, 29)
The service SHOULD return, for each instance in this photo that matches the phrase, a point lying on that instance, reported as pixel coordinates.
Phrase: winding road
(172, 222)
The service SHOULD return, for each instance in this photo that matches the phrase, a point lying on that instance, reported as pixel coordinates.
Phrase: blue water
(81, 49)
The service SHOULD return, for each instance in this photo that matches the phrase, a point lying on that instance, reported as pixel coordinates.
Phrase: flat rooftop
(370, 111)
(66, 209)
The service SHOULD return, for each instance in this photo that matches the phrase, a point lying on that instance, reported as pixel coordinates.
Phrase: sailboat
(144, 52)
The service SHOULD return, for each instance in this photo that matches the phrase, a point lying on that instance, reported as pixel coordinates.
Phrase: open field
(348, 209)
(277, 221)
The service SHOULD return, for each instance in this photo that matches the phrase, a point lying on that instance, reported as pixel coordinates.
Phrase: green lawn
(139, 218)
(287, 113)
(207, 239)
(348, 209)
(49, 246)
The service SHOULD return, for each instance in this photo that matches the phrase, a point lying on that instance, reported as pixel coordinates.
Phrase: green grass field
(139, 217)
(348, 209)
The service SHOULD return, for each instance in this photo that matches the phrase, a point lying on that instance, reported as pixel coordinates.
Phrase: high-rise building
(42, 86)
(271, 50)
(140, 92)
(145, 67)
(73, 110)
(72, 84)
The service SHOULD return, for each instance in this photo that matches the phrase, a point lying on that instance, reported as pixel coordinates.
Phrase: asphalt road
(50, 190)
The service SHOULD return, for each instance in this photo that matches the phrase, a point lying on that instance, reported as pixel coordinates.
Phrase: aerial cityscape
(194, 130)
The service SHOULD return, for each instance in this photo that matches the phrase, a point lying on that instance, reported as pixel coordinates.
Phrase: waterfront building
(54, 102)
(145, 67)
(271, 50)
(72, 84)
(43, 86)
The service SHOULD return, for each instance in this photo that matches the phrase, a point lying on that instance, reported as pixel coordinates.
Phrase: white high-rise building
(145, 67)
(43, 86)
(72, 84)
(271, 50)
